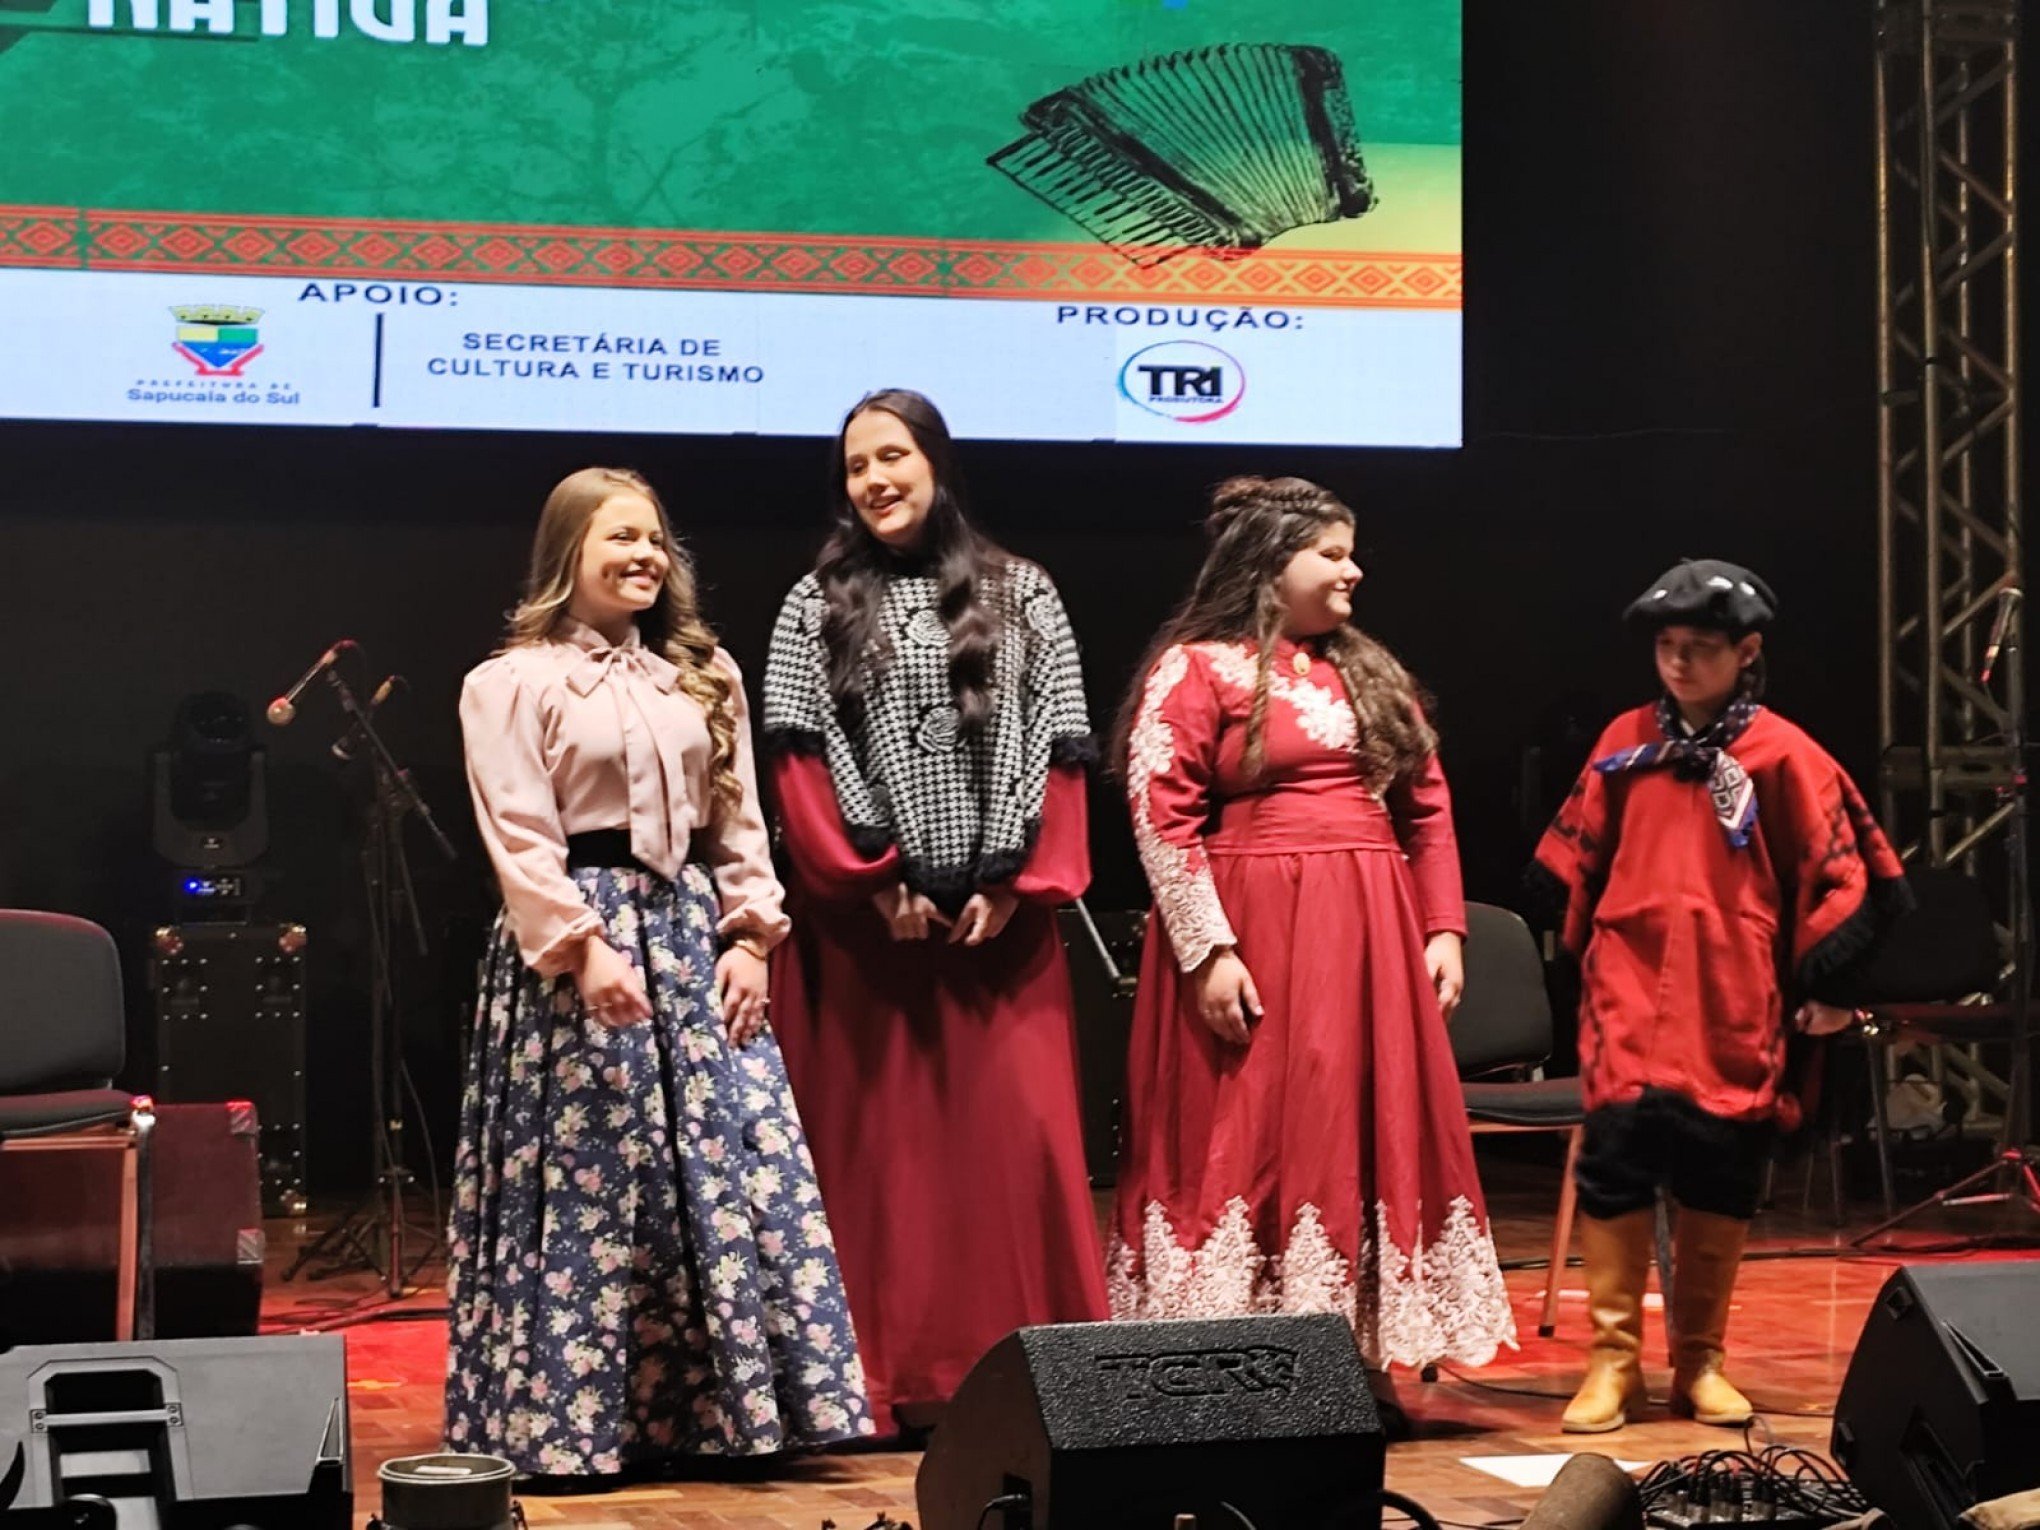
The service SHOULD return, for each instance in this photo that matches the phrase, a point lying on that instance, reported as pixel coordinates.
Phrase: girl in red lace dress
(1296, 1136)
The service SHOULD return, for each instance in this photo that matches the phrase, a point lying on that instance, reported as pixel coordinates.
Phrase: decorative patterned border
(67, 238)
(40, 236)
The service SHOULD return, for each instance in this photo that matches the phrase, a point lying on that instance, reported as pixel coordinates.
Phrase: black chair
(63, 1039)
(1503, 1024)
(1931, 981)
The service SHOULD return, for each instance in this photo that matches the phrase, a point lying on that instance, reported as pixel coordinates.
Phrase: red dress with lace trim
(1327, 1165)
(938, 1086)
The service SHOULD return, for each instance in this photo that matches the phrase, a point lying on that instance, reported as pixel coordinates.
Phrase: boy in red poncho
(1717, 871)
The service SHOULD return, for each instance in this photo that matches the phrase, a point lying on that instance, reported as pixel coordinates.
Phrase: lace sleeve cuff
(1166, 776)
(1187, 900)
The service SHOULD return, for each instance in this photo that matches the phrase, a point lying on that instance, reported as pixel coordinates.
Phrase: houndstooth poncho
(963, 811)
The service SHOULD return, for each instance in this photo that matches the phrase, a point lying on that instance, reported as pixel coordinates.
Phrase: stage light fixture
(211, 798)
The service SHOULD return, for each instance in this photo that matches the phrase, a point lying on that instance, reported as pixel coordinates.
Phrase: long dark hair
(854, 565)
(1255, 527)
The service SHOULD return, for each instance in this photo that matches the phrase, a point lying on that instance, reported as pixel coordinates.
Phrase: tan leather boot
(1617, 1253)
(1706, 1252)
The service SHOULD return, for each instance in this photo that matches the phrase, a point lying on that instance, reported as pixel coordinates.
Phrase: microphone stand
(386, 877)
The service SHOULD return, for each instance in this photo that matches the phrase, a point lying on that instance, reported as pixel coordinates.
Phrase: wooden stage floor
(1791, 1336)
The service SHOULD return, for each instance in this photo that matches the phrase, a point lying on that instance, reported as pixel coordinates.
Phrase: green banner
(829, 117)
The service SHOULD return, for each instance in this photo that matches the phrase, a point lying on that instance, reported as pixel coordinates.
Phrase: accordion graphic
(1216, 150)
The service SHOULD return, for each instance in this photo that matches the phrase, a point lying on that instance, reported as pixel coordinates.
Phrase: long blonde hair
(671, 626)
(1255, 527)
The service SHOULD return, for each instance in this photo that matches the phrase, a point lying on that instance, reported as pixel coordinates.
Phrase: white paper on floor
(1533, 1471)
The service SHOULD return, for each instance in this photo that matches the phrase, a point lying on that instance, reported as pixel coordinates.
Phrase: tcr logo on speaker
(1199, 1373)
(1184, 380)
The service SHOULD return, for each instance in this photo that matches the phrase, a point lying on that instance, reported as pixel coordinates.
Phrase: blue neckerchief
(1702, 756)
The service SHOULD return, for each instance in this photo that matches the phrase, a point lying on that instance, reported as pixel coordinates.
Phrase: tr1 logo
(1199, 1373)
(1184, 380)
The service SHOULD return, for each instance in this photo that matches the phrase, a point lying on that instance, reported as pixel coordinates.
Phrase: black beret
(1705, 592)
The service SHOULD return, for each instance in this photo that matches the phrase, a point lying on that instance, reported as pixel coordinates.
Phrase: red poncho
(1688, 944)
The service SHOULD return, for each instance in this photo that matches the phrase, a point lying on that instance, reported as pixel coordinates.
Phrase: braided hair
(1255, 527)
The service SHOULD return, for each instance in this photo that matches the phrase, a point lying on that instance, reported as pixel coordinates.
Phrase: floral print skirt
(639, 1263)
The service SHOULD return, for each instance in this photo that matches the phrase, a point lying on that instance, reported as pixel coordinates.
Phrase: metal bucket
(448, 1492)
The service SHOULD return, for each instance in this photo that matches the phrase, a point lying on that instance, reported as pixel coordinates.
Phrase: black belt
(602, 847)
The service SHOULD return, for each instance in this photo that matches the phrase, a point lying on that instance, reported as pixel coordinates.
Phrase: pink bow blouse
(577, 733)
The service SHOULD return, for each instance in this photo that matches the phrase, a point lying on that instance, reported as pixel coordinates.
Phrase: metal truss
(1951, 671)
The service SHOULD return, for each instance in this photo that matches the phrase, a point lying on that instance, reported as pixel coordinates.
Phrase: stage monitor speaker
(1940, 1409)
(1243, 1422)
(180, 1434)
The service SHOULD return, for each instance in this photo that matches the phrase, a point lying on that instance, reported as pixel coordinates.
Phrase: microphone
(345, 745)
(1589, 1493)
(2008, 599)
(284, 709)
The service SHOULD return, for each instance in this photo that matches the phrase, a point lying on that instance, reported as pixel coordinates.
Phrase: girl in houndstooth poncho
(925, 722)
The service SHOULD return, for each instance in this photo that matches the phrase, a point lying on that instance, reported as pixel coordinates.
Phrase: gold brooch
(1301, 662)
